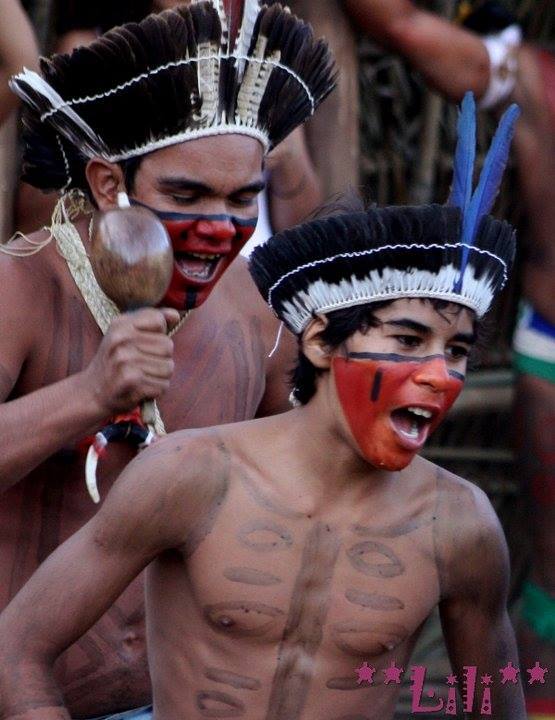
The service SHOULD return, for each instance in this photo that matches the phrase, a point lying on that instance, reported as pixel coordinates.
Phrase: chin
(390, 462)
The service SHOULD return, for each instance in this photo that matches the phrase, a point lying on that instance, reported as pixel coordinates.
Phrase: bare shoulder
(469, 541)
(172, 485)
(27, 264)
(26, 288)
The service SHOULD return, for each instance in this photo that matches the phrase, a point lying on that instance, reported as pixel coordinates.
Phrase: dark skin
(60, 381)
(279, 560)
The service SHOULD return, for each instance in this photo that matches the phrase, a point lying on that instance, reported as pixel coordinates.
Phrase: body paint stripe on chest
(305, 625)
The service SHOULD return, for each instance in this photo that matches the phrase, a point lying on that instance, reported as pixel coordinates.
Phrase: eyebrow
(468, 338)
(410, 325)
(182, 183)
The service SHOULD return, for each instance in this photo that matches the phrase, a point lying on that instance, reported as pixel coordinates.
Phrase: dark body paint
(305, 622)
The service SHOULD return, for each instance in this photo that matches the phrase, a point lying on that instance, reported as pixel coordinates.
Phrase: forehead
(452, 318)
(222, 162)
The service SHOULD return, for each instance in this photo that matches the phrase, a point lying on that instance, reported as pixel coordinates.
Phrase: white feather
(244, 38)
(83, 137)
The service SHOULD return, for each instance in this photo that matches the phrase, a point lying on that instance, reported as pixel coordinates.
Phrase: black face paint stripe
(176, 216)
(191, 299)
(392, 357)
(376, 386)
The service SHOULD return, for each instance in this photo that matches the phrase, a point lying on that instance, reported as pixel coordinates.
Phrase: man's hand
(134, 361)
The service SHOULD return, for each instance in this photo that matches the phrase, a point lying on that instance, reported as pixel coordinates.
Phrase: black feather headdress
(210, 68)
(454, 252)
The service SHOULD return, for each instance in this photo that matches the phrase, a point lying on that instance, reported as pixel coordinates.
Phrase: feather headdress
(211, 68)
(457, 252)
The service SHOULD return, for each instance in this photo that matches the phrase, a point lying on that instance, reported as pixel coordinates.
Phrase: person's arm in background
(294, 190)
(18, 48)
(451, 59)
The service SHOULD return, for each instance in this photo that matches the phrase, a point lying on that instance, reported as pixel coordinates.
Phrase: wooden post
(333, 133)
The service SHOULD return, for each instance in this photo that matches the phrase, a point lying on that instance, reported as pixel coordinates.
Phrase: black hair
(341, 325)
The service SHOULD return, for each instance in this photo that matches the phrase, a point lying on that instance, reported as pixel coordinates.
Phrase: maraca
(132, 259)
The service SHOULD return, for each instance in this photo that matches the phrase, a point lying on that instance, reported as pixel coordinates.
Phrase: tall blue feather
(490, 179)
(463, 165)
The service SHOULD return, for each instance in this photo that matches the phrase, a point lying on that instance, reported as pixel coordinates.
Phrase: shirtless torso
(220, 376)
(266, 593)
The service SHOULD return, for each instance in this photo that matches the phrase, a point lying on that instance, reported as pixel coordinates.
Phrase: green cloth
(533, 366)
(538, 609)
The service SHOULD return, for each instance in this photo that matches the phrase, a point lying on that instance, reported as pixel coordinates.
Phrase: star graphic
(509, 673)
(486, 680)
(537, 674)
(452, 679)
(365, 673)
(393, 674)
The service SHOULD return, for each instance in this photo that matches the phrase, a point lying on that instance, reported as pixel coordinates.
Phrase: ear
(312, 345)
(105, 181)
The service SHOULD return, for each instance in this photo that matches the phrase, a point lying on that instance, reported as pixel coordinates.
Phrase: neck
(328, 461)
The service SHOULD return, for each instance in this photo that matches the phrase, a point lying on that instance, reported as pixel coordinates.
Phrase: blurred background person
(18, 47)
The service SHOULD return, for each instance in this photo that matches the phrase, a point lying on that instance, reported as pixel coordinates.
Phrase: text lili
(475, 690)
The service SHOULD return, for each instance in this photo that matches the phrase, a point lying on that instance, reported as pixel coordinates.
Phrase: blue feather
(463, 165)
(490, 177)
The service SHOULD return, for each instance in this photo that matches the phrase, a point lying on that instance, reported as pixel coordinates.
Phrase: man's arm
(133, 362)
(294, 188)
(156, 504)
(451, 59)
(18, 48)
(474, 575)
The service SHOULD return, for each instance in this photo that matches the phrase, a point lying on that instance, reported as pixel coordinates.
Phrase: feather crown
(455, 252)
(209, 68)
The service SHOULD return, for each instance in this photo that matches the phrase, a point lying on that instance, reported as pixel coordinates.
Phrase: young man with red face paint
(139, 112)
(283, 553)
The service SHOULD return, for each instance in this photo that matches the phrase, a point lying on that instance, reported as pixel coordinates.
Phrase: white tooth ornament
(91, 464)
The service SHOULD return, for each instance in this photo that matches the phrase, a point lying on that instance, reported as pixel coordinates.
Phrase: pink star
(486, 680)
(537, 674)
(393, 674)
(509, 673)
(365, 673)
(452, 679)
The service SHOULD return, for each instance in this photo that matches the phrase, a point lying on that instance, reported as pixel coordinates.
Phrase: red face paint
(204, 247)
(375, 392)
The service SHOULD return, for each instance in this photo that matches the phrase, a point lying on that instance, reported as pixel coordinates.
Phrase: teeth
(204, 257)
(420, 411)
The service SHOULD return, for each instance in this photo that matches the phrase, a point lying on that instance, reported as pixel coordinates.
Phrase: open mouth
(197, 266)
(412, 424)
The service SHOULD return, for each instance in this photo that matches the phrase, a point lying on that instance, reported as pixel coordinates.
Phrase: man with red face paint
(285, 554)
(173, 113)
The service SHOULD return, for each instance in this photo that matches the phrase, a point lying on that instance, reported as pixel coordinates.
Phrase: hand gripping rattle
(132, 259)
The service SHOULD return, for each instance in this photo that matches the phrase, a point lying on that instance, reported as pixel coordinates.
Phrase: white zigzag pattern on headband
(387, 284)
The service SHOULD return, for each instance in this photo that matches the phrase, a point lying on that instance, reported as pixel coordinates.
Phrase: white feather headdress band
(388, 284)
